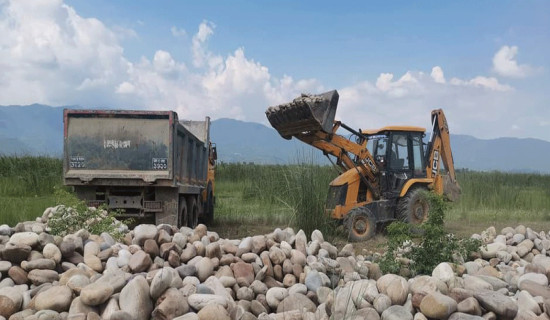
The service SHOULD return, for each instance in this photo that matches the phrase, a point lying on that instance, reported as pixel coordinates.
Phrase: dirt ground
(378, 243)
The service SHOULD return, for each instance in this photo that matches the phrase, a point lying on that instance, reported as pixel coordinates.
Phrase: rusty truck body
(146, 164)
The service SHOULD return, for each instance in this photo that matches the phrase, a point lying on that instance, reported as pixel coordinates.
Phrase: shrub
(73, 214)
(430, 247)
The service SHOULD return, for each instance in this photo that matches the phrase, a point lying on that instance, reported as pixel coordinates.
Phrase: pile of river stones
(162, 272)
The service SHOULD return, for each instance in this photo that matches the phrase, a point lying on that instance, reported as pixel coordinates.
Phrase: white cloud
(437, 74)
(49, 54)
(505, 64)
(490, 83)
(200, 54)
(177, 32)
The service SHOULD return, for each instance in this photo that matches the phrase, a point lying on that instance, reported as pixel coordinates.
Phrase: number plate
(77, 162)
(160, 164)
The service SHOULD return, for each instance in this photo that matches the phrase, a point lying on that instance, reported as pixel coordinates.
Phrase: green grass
(497, 196)
(26, 187)
(292, 195)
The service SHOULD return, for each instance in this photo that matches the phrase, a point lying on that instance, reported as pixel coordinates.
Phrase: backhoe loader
(382, 172)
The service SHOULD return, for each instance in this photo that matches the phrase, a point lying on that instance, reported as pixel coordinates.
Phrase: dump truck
(146, 165)
(382, 172)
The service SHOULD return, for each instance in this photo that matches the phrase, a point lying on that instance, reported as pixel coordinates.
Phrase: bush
(73, 214)
(433, 245)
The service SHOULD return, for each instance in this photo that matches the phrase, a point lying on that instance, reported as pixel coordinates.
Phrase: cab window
(417, 154)
(399, 155)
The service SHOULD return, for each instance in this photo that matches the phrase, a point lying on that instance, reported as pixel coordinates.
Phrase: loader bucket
(451, 189)
(303, 114)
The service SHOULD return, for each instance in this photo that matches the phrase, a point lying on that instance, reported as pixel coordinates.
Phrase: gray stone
(186, 271)
(10, 301)
(313, 280)
(56, 298)
(501, 305)
(143, 232)
(25, 238)
(161, 281)
(198, 301)
(535, 277)
(381, 303)
(135, 300)
(527, 302)
(344, 303)
(77, 306)
(296, 301)
(464, 316)
(443, 272)
(317, 235)
(205, 268)
(96, 293)
(396, 313)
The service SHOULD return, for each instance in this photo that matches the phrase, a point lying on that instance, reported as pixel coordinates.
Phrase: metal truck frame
(147, 164)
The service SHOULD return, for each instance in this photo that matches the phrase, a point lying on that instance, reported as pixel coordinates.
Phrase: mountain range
(38, 130)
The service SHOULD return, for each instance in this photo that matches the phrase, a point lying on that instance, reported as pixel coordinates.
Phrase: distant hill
(38, 130)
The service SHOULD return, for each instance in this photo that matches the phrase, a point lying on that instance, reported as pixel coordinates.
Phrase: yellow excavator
(382, 172)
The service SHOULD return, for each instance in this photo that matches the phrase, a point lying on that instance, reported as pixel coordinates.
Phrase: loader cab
(399, 154)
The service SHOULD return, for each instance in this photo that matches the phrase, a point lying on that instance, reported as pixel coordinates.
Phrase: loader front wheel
(414, 207)
(360, 223)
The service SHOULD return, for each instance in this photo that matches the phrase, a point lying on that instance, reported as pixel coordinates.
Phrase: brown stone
(165, 249)
(174, 259)
(151, 247)
(18, 275)
(140, 261)
(243, 270)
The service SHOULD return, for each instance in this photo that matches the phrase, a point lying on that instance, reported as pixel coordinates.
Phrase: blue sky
(486, 63)
(340, 41)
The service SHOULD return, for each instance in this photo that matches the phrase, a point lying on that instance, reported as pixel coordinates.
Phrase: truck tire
(192, 212)
(414, 207)
(360, 223)
(182, 212)
(209, 205)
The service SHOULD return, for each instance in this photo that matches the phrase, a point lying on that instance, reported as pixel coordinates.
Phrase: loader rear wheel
(361, 224)
(414, 207)
(193, 212)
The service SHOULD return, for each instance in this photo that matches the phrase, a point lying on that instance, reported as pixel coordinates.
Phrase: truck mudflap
(305, 113)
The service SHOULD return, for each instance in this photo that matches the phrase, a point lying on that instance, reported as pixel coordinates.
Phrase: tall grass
(29, 176)
(502, 196)
(26, 186)
(285, 195)
(293, 195)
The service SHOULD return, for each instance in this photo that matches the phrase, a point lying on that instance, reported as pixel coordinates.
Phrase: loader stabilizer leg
(306, 113)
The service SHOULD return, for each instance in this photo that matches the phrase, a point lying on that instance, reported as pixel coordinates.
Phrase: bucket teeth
(304, 113)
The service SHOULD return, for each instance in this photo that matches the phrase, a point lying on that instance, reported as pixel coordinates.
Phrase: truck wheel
(414, 207)
(182, 212)
(209, 207)
(360, 223)
(193, 212)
